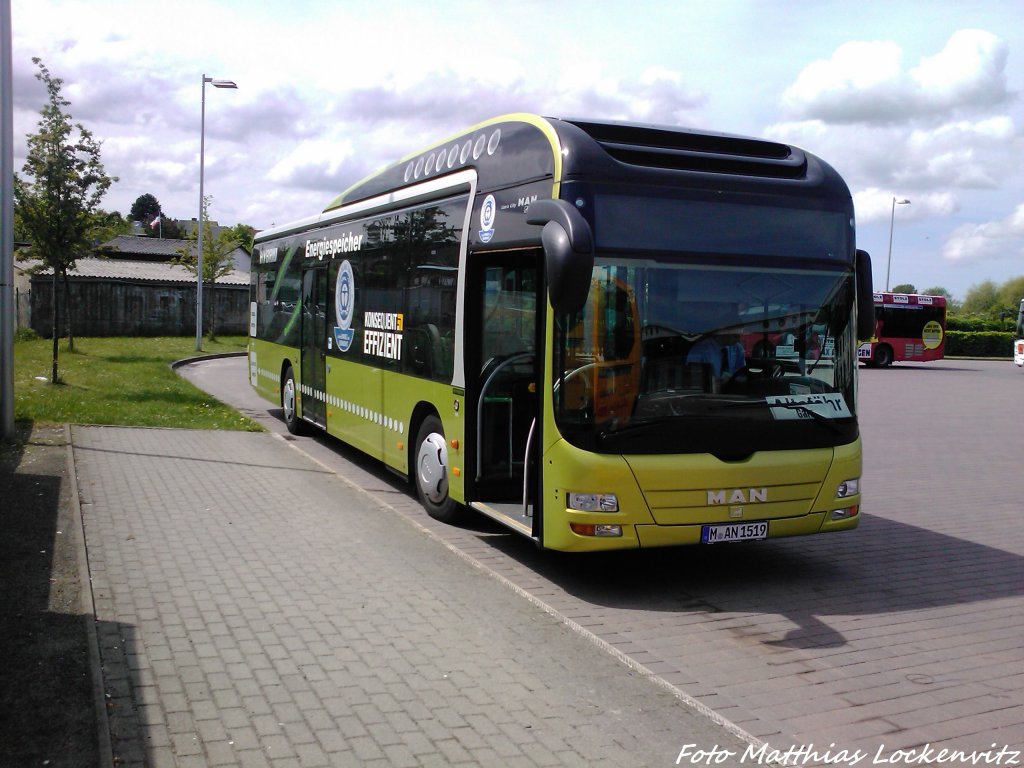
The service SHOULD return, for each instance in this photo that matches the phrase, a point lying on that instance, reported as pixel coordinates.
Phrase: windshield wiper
(633, 428)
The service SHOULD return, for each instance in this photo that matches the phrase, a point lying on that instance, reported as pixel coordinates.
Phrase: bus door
(313, 348)
(506, 359)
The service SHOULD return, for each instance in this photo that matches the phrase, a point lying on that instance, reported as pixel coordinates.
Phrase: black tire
(430, 472)
(883, 355)
(290, 403)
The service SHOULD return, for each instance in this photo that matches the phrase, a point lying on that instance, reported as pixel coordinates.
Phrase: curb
(106, 751)
(200, 358)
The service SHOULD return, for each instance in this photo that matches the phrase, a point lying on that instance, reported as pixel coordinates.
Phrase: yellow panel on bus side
(355, 405)
(405, 396)
(374, 410)
(265, 362)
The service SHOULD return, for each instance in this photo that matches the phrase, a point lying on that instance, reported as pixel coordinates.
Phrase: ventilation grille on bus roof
(689, 151)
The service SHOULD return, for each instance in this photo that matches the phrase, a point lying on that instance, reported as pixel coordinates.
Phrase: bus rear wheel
(883, 355)
(430, 472)
(289, 402)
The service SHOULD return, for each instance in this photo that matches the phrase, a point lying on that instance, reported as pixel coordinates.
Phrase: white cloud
(970, 70)
(1003, 238)
(862, 81)
(322, 164)
(874, 205)
(926, 162)
(866, 82)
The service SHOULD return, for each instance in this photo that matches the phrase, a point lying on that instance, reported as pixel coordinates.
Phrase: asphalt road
(902, 635)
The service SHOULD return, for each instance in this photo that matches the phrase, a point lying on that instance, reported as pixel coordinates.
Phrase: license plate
(716, 534)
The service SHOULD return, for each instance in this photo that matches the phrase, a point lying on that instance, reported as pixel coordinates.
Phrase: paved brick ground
(255, 609)
(903, 633)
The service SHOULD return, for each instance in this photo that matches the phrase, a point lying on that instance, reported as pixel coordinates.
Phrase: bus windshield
(672, 356)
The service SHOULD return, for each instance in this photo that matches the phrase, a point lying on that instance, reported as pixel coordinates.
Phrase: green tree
(106, 225)
(243, 233)
(145, 210)
(169, 229)
(1011, 292)
(904, 288)
(149, 213)
(218, 257)
(58, 199)
(952, 305)
(982, 300)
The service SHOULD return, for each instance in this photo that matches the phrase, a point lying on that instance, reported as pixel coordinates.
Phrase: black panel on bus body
(502, 153)
(513, 151)
(710, 169)
(605, 151)
(514, 161)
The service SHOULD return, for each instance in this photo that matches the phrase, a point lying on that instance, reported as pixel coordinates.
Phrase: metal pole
(6, 228)
(892, 219)
(202, 206)
(199, 256)
(888, 266)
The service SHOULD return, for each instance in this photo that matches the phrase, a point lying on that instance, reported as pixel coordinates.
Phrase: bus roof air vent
(688, 150)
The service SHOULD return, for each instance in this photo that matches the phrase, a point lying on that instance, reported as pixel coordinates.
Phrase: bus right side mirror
(568, 252)
(865, 297)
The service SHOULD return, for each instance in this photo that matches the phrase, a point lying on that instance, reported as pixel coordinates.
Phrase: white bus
(1018, 337)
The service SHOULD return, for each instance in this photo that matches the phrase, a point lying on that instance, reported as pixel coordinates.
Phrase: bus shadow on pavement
(884, 567)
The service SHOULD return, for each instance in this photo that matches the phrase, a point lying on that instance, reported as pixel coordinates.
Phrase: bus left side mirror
(568, 252)
(865, 297)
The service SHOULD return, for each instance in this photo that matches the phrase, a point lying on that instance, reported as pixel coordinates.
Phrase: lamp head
(218, 83)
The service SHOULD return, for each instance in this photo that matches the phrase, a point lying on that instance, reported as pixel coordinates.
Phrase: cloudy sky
(908, 100)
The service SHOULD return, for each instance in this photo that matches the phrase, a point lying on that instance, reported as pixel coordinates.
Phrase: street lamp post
(199, 244)
(7, 308)
(892, 220)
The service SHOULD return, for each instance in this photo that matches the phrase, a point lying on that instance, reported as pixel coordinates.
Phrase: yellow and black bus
(602, 335)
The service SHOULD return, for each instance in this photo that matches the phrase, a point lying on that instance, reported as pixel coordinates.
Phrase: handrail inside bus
(526, 468)
(519, 358)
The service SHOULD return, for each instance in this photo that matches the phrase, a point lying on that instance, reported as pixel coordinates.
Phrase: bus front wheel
(289, 402)
(431, 472)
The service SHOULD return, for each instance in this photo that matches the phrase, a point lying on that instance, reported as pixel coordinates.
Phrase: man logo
(737, 496)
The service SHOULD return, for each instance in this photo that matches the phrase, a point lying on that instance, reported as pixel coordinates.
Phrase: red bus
(908, 327)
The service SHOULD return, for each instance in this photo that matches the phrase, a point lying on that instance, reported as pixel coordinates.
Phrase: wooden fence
(103, 307)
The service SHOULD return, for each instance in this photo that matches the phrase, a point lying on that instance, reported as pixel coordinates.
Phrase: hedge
(979, 344)
(975, 324)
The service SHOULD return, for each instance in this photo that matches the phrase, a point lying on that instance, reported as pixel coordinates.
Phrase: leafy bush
(979, 344)
(976, 324)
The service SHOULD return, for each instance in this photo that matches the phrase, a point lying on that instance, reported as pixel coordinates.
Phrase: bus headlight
(594, 502)
(590, 529)
(848, 488)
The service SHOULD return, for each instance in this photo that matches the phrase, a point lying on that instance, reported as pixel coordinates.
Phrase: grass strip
(122, 381)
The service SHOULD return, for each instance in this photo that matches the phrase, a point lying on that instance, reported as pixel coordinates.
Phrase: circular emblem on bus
(345, 296)
(487, 213)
